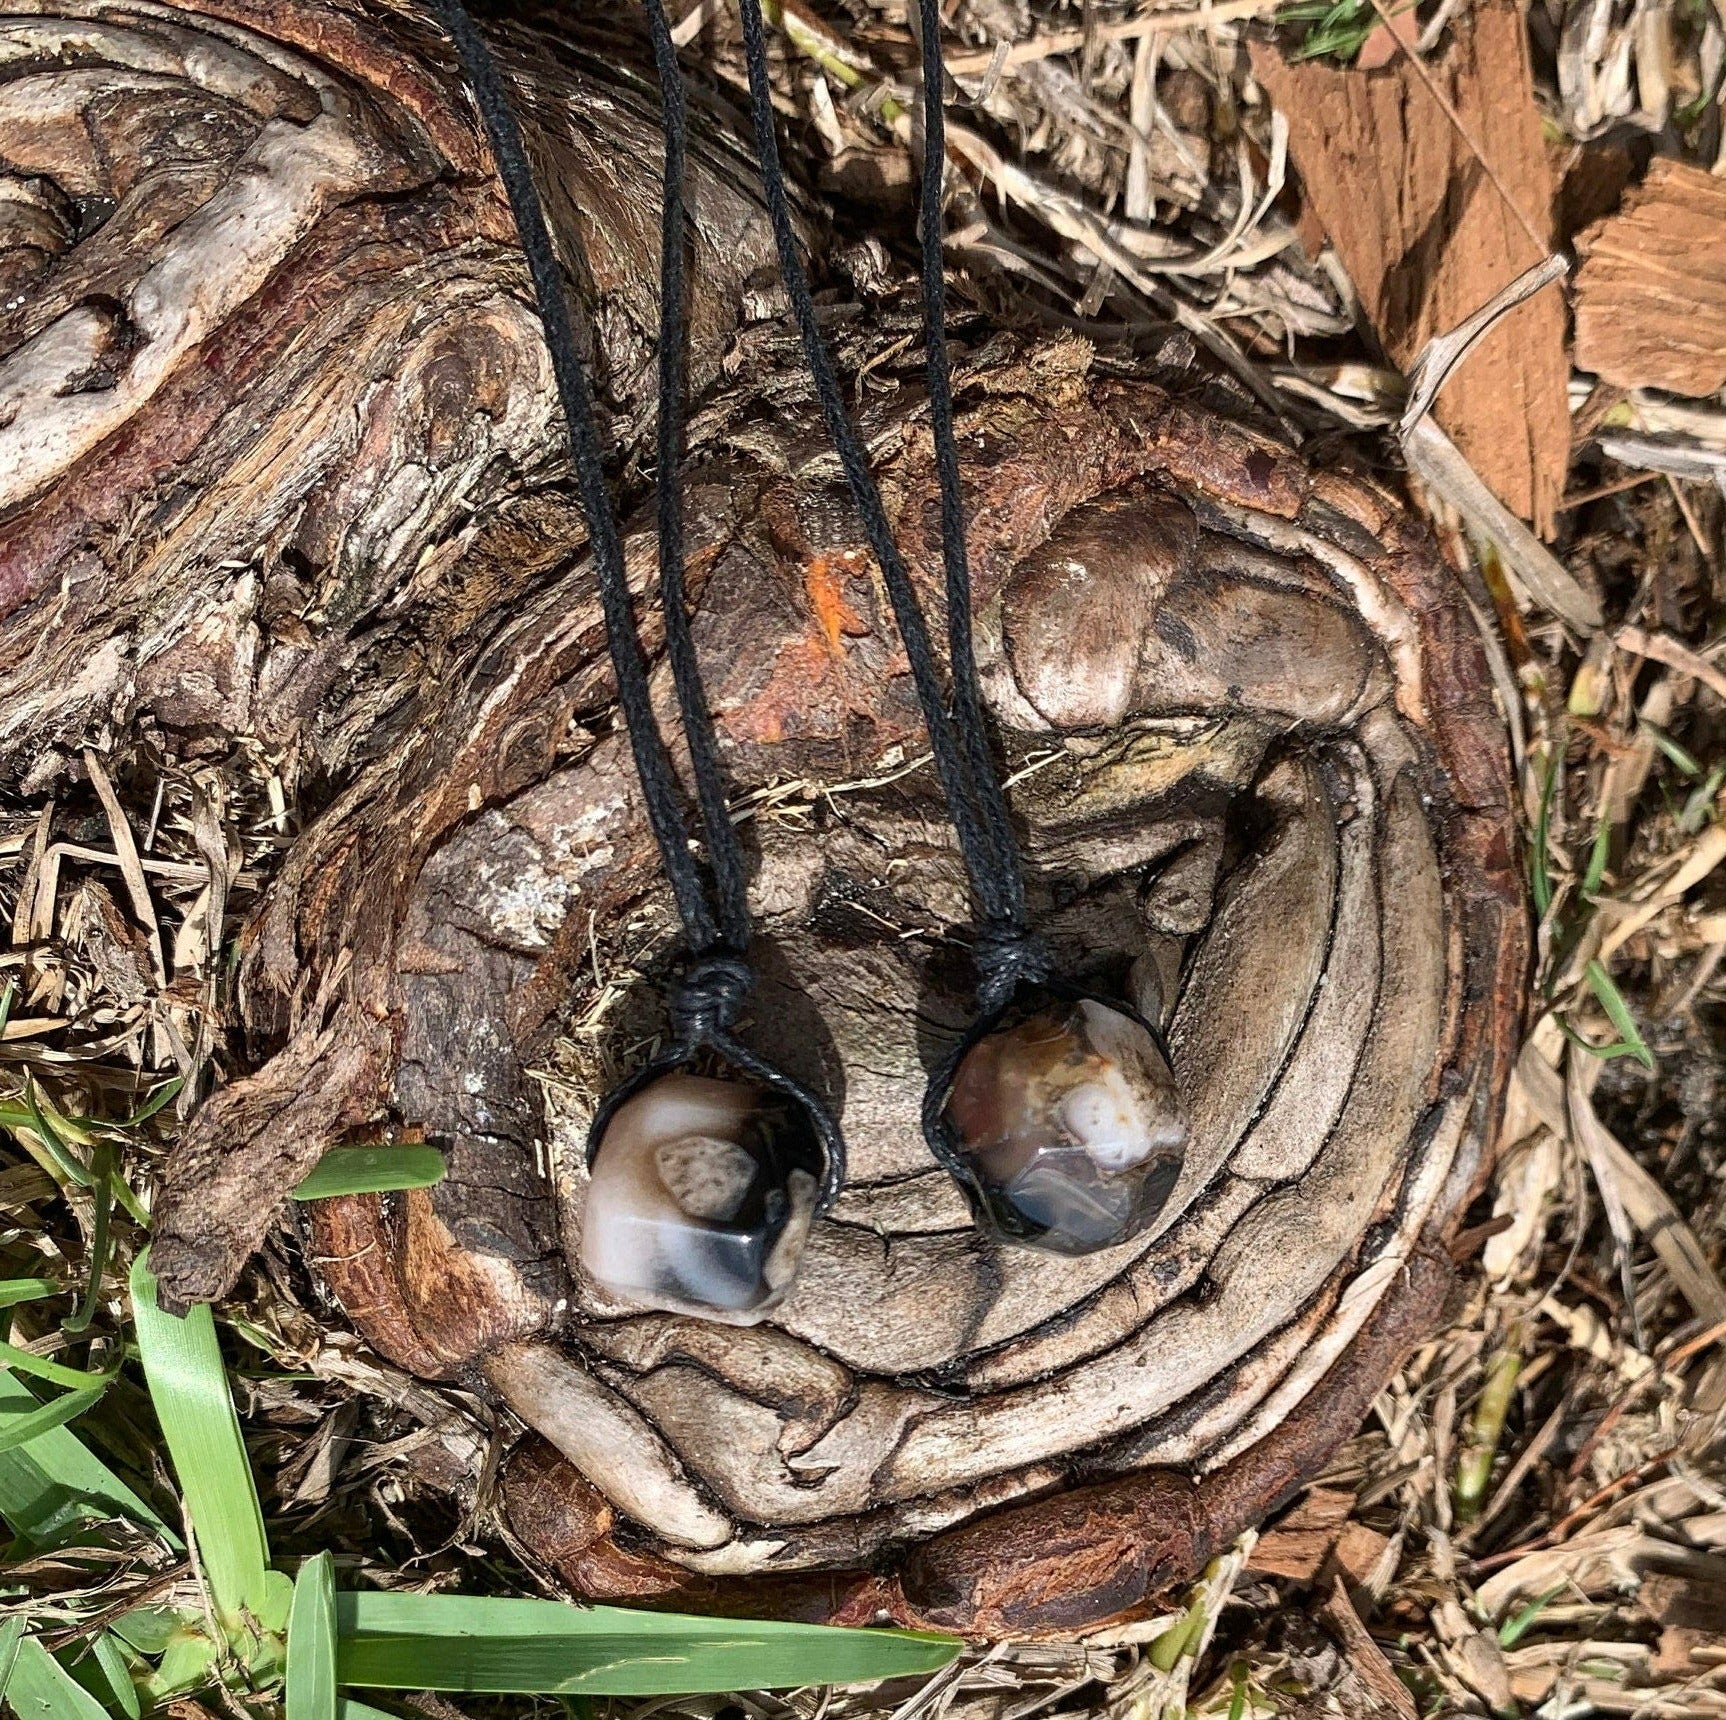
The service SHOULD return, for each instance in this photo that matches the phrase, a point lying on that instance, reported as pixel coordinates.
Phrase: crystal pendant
(1066, 1122)
(700, 1197)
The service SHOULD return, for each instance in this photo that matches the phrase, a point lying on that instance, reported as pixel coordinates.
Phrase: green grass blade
(1605, 988)
(55, 1373)
(371, 1170)
(189, 1387)
(186, 1663)
(102, 1165)
(167, 1092)
(1539, 862)
(1512, 1631)
(53, 1482)
(40, 1688)
(20, 1429)
(1685, 761)
(480, 1644)
(1700, 801)
(106, 1676)
(12, 1631)
(1238, 1701)
(16, 1290)
(311, 1680)
(348, 1709)
(1597, 854)
(147, 1630)
(70, 1166)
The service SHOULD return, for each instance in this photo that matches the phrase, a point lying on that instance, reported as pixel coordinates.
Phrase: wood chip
(1651, 292)
(1317, 1537)
(1300, 1542)
(1427, 237)
(1390, 1696)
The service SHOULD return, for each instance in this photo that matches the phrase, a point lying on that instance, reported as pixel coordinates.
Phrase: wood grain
(1650, 295)
(1427, 238)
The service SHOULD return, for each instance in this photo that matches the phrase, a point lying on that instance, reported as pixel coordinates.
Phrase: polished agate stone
(700, 1198)
(1069, 1126)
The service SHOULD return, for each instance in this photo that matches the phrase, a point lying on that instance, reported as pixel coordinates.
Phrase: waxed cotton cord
(961, 651)
(1006, 951)
(725, 855)
(718, 980)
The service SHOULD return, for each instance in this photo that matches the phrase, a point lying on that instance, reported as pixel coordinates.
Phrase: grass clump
(210, 1611)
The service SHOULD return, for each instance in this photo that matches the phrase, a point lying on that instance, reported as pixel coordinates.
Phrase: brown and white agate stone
(1068, 1123)
(304, 495)
(699, 1198)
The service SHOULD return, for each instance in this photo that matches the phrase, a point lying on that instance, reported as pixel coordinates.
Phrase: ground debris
(1651, 293)
(1429, 228)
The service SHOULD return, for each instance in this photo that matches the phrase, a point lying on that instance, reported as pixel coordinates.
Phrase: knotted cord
(717, 928)
(1006, 950)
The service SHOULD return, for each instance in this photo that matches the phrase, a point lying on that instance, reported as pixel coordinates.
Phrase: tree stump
(282, 463)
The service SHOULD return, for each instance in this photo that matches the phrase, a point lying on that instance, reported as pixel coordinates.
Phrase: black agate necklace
(1057, 1112)
(709, 1166)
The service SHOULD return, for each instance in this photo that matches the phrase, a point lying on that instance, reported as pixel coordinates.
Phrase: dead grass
(1534, 1519)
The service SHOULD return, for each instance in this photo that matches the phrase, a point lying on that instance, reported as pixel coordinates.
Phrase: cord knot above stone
(706, 1005)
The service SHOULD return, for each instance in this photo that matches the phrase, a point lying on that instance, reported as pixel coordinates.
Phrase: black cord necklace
(708, 1167)
(1057, 1112)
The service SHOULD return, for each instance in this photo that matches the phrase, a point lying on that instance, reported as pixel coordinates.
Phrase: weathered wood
(1651, 292)
(1343, 1016)
(1270, 799)
(1421, 223)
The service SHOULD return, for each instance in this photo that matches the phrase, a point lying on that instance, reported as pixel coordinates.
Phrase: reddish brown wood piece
(1427, 236)
(1651, 293)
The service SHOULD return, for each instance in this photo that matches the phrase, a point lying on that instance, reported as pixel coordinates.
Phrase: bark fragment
(1651, 293)
(1426, 236)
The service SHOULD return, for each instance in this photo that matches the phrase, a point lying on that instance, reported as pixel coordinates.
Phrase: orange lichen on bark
(824, 580)
(805, 689)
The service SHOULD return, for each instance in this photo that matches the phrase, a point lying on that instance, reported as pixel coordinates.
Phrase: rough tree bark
(279, 460)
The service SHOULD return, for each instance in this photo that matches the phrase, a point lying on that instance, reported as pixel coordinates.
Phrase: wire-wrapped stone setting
(700, 1197)
(1063, 1119)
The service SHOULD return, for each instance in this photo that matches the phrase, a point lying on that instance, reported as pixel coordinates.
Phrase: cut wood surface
(1651, 293)
(1262, 780)
(1427, 236)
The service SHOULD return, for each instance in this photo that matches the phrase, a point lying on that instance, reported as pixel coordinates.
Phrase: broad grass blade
(371, 1170)
(52, 1482)
(475, 1644)
(16, 1290)
(104, 1674)
(40, 1688)
(348, 1709)
(189, 1387)
(186, 1664)
(311, 1677)
(12, 1631)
